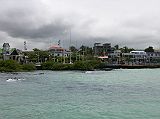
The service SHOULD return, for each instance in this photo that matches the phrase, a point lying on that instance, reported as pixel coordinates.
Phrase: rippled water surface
(117, 94)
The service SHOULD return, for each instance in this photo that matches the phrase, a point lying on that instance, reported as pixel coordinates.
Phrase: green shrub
(56, 66)
(47, 65)
(28, 67)
(9, 66)
(79, 65)
(60, 66)
(13, 66)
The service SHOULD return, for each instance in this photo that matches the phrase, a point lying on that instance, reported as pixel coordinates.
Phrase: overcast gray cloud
(134, 23)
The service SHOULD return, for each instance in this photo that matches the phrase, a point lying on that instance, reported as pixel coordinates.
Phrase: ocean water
(117, 94)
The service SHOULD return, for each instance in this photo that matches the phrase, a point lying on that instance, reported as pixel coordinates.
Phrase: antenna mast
(25, 45)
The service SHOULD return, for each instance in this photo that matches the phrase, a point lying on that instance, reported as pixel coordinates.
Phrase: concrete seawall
(132, 66)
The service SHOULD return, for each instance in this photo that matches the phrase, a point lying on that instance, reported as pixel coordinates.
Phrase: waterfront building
(115, 56)
(102, 49)
(142, 57)
(12, 53)
(58, 51)
(135, 57)
(153, 57)
(153, 54)
(139, 54)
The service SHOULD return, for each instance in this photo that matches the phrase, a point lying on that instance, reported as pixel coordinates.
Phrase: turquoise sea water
(117, 94)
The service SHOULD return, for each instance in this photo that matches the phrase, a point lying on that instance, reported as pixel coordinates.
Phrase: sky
(42, 23)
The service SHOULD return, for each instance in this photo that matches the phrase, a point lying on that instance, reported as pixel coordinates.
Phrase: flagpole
(70, 46)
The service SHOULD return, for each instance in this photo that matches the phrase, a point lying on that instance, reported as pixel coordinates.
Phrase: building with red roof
(57, 50)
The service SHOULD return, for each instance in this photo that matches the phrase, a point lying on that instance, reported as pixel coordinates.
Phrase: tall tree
(116, 47)
(86, 50)
(125, 49)
(149, 49)
(36, 49)
(73, 48)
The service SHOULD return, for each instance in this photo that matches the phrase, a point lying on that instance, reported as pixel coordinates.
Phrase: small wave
(97, 89)
(14, 79)
(38, 74)
(20, 79)
(88, 72)
(11, 80)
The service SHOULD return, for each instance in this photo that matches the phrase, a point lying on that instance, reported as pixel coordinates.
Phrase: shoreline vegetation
(13, 66)
(83, 59)
(88, 65)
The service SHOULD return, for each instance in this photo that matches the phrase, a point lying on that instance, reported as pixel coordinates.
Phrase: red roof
(103, 57)
(56, 47)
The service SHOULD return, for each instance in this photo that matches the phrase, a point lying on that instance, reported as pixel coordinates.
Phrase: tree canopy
(125, 49)
(149, 49)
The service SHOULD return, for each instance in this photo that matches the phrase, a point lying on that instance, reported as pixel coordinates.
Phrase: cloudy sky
(133, 23)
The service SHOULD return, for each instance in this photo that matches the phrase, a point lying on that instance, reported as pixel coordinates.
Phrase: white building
(153, 54)
(139, 54)
(57, 50)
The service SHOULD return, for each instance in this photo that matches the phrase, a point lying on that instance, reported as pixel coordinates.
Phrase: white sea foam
(20, 79)
(88, 72)
(13, 80)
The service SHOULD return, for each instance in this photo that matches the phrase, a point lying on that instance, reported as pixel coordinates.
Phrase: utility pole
(64, 57)
(76, 51)
(70, 46)
(83, 54)
(76, 55)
